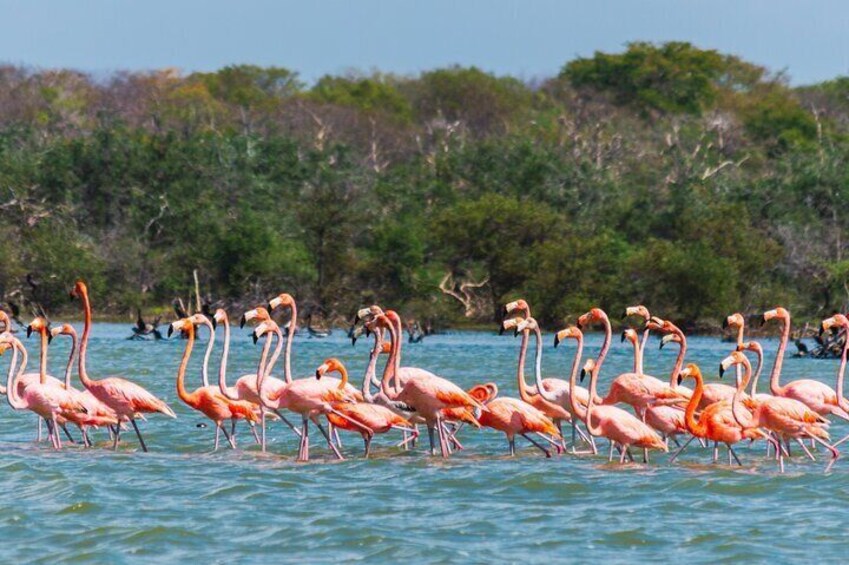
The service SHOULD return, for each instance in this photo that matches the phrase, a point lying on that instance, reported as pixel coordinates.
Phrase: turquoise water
(182, 502)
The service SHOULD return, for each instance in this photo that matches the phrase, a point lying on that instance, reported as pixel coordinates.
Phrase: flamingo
(527, 394)
(427, 395)
(718, 392)
(716, 422)
(208, 400)
(669, 420)
(127, 399)
(513, 417)
(308, 397)
(818, 396)
(376, 417)
(611, 422)
(785, 417)
(635, 389)
(47, 399)
(843, 321)
(245, 389)
(643, 313)
(96, 413)
(555, 391)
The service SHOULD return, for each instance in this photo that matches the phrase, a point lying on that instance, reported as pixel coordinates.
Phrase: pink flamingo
(642, 312)
(49, 400)
(245, 389)
(718, 392)
(842, 321)
(379, 418)
(127, 399)
(96, 413)
(785, 417)
(208, 400)
(310, 398)
(556, 391)
(611, 422)
(427, 395)
(635, 389)
(716, 422)
(669, 420)
(818, 396)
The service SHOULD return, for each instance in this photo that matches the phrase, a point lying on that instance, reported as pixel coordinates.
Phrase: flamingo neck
(70, 365)
(842, 370)
(594, 430)
(695, 427)
(740, 332)
(12, 378)
(774, 377)
(372, 366)
(225, 353)
(260, 370)
(42, 358)
(287, 359)
(736, 404)
(638, 358)
(399, 330)
(549, 396)
(343, 382)
(184, 395)
(679, 362)
(389, 370)
(276, 355)
(643, 342)
(760, 355)
(207, 354)
(577, 410)
(524, 393)
(87, 382)
(605, 346)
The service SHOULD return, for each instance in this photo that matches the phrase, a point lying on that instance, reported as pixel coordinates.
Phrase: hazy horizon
(808, 40)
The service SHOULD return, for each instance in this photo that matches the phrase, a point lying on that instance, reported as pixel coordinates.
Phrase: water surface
(181, 501)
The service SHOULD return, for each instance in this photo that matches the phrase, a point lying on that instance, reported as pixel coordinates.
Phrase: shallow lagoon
(181, 501)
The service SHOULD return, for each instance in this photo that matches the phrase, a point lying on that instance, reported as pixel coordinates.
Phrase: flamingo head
(736, 358)
(753, 346)
(4, 319)
(330, 365)
(79, 290)
(263, 328)
(691, 371)
(836, 320)
(40, 326)
(201, 320)
(4, 346)
(220, 317)
(638, 310)
(631, 335)
(64, 329)
(182, 325)
(368, 313)
(655, 324)
(594, 315)
(527, 324)
(510, 324)
(671, 337)
(258, 313)
(570, 332)
(282, 299)
(517, 305)
(779, 312)
(734, 321)
(588, 368)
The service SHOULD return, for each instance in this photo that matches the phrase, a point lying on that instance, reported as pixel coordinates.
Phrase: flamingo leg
(443, 441)
(805, 449)
(715, 451)
(367, 441)
(217, 435)
(230, 439)
(731, 453)
(835, 454)
(117, 436)
(839, 442)
(57, 440)
(452, 436)
(50, 433)
(336, 437)
(233, 429)
(413, 434)
(430, 429)
(610, 455)
(262, 424)
(681, 449)
(86, 440)
(675, 439)
(138, 434)
(67, 433)
(537, 445)
(329, 439)
(304, 449)
(38, 437)
(256, 437)
(511, 444)
(622, 455)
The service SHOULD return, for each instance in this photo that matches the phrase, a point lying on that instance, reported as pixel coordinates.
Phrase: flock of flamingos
(711, 413)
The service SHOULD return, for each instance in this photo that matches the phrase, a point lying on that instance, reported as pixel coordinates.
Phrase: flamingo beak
(29, 330)
(762, 320)
(254, 336)
(721, 370)
(583, 374)
(318, 374)
(725, 324)
(556, 340)
(242, 322)
(624, 314)
(214, 324)
(170, 329)
(680, 379)
(49, 338)
(661, 344)
(622, 337)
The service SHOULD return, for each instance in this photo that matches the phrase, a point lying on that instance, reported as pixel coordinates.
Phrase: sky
(528, 39)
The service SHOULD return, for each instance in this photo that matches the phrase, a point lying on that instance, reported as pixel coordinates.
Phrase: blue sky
(526, 39)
